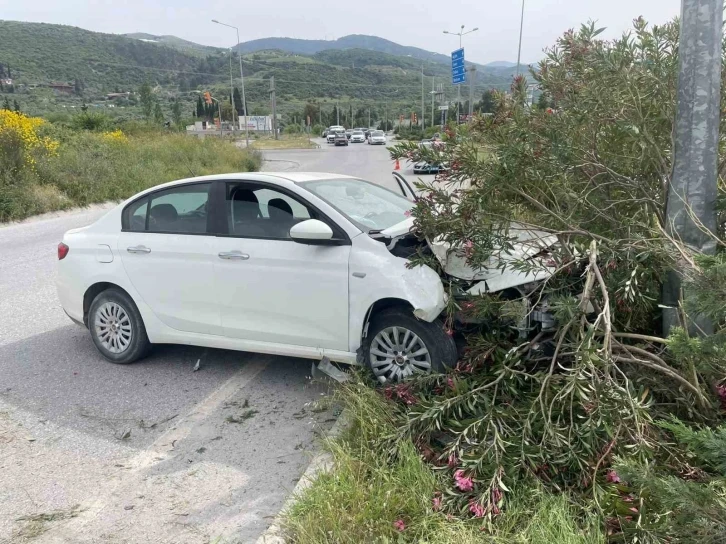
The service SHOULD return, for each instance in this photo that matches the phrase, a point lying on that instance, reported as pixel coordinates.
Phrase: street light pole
(423, 104)
(458, 86)
(242, 78)
(521, 27)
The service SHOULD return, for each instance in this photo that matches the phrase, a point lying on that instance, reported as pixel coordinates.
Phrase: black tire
(441, 347)
(138, 344)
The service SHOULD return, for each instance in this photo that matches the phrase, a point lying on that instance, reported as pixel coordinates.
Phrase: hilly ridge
(40, 53)
(355, 41)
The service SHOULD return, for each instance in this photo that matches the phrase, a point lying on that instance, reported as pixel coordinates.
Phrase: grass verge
(372, 488)
(285, 142)
(90, 167)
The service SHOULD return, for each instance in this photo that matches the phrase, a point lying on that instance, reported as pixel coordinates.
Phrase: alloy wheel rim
(397, 353)
(113, 327)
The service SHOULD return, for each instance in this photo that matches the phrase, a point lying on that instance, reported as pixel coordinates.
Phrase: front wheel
(116, 327)
(398, 346)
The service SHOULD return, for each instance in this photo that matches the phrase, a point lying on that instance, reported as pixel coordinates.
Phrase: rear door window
(180, 210)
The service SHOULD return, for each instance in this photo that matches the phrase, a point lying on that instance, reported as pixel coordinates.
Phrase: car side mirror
(312, 231)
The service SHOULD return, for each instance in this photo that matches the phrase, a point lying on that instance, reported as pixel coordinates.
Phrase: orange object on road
(398, 165)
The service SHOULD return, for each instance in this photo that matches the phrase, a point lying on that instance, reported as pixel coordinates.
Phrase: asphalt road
(150, 452)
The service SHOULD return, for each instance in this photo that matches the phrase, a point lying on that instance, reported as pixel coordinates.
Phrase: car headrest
(277, 207)
(164, 212)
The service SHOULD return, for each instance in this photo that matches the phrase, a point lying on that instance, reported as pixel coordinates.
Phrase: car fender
(376, 274)
(94, 258)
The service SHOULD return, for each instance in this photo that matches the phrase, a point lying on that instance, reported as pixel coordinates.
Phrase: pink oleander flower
(612, 477)
(399, 525)
(476, 509)
(464, 483)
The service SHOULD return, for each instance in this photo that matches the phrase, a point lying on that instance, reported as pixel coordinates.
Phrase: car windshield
(368, 206)
(357, 133)
(377, 133)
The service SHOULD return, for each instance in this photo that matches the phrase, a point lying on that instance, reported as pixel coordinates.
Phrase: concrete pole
(695, 161)
(273, 99)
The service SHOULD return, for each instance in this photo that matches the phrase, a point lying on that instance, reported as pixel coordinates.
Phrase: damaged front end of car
(514, 275)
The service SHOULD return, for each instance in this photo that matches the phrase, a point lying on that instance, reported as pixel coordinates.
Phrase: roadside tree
(600, 393)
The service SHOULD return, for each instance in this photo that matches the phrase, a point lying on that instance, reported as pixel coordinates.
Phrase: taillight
(62, 251)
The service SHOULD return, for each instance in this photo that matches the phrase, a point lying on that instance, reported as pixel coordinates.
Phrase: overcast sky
(418, 23)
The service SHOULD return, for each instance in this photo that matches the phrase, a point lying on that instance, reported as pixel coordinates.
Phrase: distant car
(377, 137)
(340, 139)
(349, 133)
(331, 134)
(357, 137)
(425, 167)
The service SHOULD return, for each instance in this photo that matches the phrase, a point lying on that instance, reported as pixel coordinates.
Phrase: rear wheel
(116, 327)
(398, 346)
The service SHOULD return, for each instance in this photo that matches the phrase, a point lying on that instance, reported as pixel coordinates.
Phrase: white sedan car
(357, 137)
(377, 137)
(291, 264)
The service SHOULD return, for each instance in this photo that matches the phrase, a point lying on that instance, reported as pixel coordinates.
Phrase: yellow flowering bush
(21, 143)
(117, 136)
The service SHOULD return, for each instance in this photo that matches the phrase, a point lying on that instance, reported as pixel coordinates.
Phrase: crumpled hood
(526, 243)
(496, 274)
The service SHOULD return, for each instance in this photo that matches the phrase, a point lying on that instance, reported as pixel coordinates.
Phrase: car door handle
(234, 256)
(138, 249)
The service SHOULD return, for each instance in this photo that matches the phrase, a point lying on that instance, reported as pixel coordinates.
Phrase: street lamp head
(477, 28)
(462, 27)
(215, 21)
(447, 32)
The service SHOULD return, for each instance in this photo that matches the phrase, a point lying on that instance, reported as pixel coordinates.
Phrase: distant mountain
(40, 53)
(360, 71)
(172, 41)
(500, 64)
(354, 41)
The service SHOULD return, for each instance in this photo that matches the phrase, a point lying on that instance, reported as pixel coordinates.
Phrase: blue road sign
(458, 70)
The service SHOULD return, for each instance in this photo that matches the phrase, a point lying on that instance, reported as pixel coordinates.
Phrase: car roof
(279, 177)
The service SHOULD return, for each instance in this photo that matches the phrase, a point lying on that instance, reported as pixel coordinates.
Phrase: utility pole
(369, 118)
(423, 104)
(231, 86)
(433, 99)
(472, 84)
(695, 160)
(273, 99)
(337, 111)
(521, 28)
